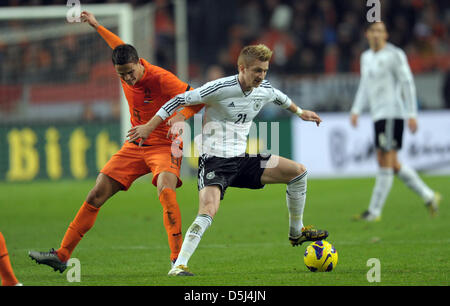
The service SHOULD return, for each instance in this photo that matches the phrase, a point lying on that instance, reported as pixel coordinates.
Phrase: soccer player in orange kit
(6, 270)
(147, 88)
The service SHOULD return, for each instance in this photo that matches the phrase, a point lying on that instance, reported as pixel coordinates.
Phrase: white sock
(383, 184)
(193, 236)
(411, 179)
(295, 199)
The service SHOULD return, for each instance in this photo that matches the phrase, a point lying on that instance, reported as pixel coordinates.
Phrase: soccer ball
(320, 256)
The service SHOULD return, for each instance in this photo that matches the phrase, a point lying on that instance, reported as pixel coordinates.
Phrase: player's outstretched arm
(191, 110)
(143, 131)
(111, 39)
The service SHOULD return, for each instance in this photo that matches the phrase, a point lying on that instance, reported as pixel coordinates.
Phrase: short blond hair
(254, 52)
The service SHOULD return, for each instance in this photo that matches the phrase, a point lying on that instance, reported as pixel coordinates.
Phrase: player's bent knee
(298, 170)
(166, 184)
(166, 180)
(96, 197)
(105, 187)
(163, 187)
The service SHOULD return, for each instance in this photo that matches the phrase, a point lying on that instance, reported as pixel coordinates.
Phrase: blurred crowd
(51, 60)
(319, 36)
(309, 37)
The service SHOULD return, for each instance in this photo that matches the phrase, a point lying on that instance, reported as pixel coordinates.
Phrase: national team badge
(147, 97)
(210, 175)
(257, 104)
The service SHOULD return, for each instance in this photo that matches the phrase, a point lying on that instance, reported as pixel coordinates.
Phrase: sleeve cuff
(163, 114)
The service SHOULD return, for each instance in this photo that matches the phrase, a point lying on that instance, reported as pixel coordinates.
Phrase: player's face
(254, 73)
(131, 73)
(377, 35)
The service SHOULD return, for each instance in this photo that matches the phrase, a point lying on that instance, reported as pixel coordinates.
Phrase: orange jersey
(146, 97)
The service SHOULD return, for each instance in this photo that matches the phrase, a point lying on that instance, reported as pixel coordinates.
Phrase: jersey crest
(147, 96)
(257, 103)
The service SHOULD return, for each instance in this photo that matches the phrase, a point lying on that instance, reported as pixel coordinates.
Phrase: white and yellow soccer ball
(320, 256)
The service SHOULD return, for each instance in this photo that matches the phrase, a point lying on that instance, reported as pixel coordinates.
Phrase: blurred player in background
(231, 104)
(147, 88)
(6, 270)
(387, 85)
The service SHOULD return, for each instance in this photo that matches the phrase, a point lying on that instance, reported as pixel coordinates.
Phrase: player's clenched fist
(89, 18)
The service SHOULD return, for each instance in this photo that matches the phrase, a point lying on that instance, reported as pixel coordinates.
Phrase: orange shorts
(132, 162)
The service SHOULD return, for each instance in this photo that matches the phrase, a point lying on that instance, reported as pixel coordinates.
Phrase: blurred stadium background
(62, 115)
(60, 101)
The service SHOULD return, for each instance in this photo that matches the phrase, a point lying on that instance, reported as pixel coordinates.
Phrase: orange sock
(6, 271)
(83, 222)
(172, 221)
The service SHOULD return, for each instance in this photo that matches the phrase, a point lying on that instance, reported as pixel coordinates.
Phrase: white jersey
(387, 85)
(229, 112)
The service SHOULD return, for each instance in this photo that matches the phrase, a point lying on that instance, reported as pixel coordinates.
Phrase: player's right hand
(139, 132)
(412, 124)
(89, 18)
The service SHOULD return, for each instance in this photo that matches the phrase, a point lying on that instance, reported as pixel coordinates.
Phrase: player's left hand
(139, 131)
(176, 124)
(90, 19)
(311, 116)
(412, 124)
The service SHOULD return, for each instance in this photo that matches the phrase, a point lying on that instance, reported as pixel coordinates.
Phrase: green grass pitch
(245, 246)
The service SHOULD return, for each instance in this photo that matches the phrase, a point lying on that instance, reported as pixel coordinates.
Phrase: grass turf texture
(245, 246)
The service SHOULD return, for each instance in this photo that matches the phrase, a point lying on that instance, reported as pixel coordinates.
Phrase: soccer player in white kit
(231, 104)
(387, 85)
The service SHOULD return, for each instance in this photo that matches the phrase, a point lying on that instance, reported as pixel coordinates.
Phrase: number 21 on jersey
(241, 118)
